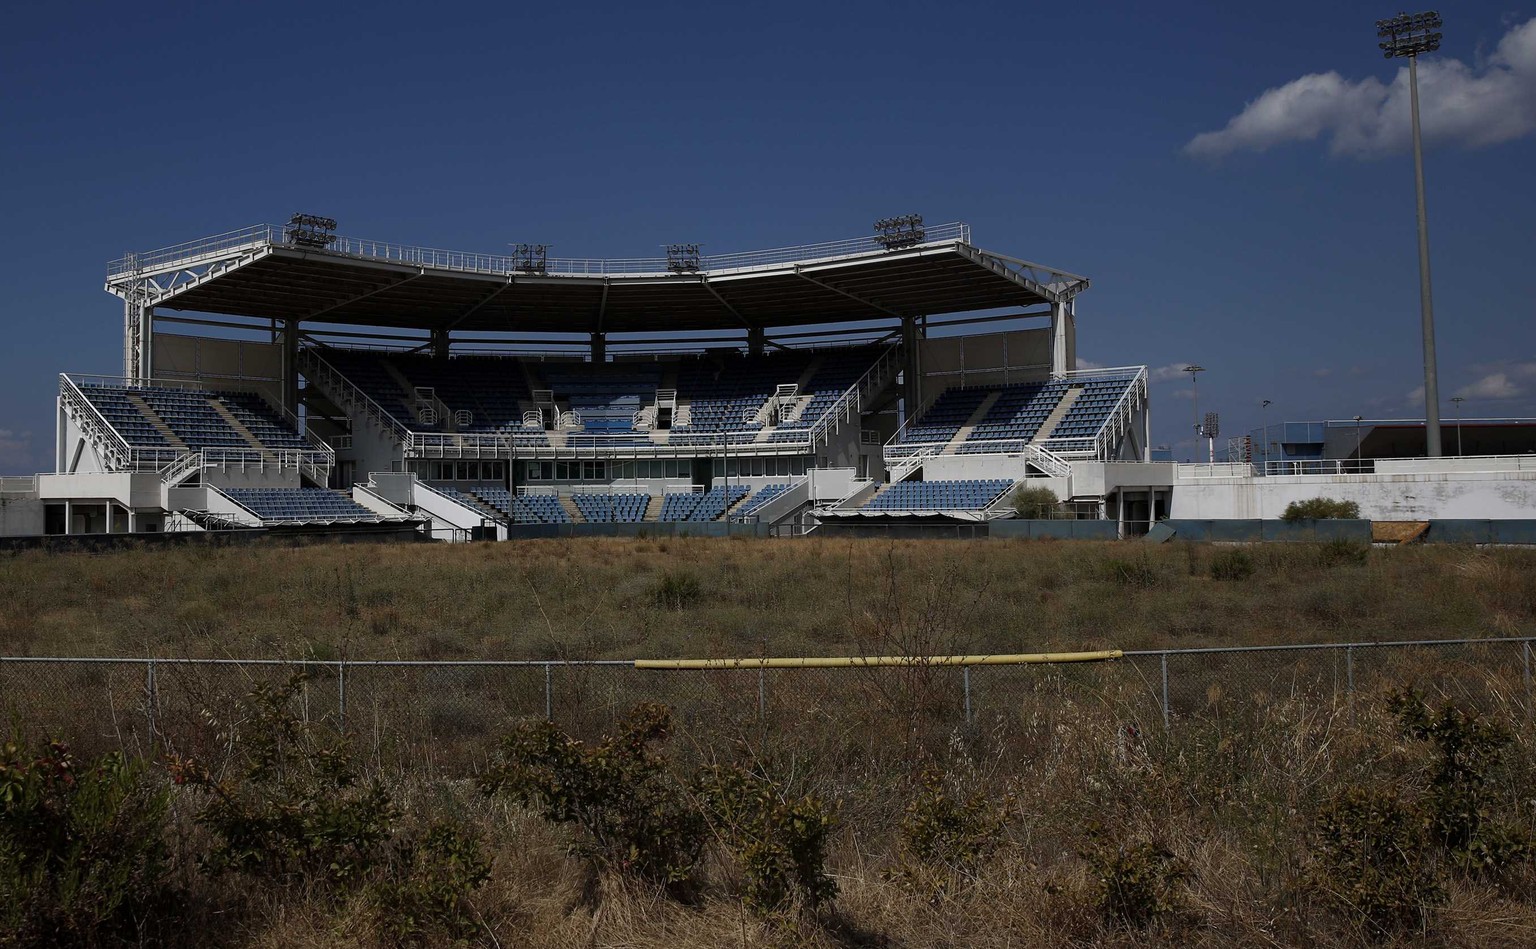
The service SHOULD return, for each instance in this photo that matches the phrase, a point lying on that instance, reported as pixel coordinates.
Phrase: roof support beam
(362, 296)
(704, 281)
(852, 296)
(483, 301)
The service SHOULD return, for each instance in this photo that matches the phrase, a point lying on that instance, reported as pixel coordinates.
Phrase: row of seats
(765, 494)
(612, 508)
(300, 504)
(939, 495)
(190, 414)
(711, 505)
(1017, 414)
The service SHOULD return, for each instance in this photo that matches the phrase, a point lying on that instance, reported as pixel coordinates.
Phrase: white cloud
(1491, 387)
(16, 451)
(1090, 364)
(1473, 106)
(1416, 397)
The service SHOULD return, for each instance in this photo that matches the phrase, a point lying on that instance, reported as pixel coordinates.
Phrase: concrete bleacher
(764, 494)
(612, 508)
(1018, 415)
(971, 495)
(606, 397)
(709, 505)
(300, 504)
(192, 416)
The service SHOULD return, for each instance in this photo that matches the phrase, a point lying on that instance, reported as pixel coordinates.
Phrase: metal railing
(18, 484)
(450, 713)
(191, 253)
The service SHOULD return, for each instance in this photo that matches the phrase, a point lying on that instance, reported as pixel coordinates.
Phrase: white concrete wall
(974, 467)
(20, 517)
(1387, 497)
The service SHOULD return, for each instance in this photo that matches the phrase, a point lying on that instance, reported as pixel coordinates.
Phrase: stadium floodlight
(311, 230)
(532, 258)
(894, 233)
(1457, 400)
(1211, 427)
(683, 258)
(1408, 35)
(1195, 394)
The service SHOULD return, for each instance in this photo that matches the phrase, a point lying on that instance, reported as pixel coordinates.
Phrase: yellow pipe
(863, 662)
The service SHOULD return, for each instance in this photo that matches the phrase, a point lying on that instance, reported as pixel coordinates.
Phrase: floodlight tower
(1408, 35)
(1194, 388)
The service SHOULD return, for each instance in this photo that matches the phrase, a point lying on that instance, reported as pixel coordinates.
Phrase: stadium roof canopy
(269, 272)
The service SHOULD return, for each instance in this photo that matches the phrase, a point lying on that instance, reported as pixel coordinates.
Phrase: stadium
(288, 378)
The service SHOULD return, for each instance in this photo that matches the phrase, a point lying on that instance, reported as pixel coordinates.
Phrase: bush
(1231, 565)
(83, 859)
(780, 844)
(945, 836)
(1469, 750)
(428, 889)
(633, 815)
(1371, 860)
(1135, 883)
(1341, 552)
(1035, 503)
(295, 810)
(1131, 573)
(1320, 509)
(675, 591)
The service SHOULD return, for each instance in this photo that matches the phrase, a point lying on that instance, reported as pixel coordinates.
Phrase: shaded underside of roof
(315, 286)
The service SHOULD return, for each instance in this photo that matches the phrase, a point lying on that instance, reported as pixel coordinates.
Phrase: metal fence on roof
(449, 715)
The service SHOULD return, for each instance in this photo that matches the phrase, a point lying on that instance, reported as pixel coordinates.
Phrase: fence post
(1526, 649)
(762, 694)
(149, 700)
(549, 693)
(1349, 668)
(965, 678)
(1165, 692)
(341, 696)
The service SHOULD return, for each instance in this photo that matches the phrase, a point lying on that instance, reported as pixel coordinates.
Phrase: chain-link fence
(448, 716)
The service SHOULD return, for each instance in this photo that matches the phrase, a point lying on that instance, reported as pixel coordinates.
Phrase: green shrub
(633, 815)
(427, 891)
(1320, 509)
(294, 809)
(1135, 883)
(676, 591)
(1131, 573)
(83, 858)
(779, 843)
(1371, 860)
(1462, 818)
(1232, 564)
(945, 835)
(1340, 552)
(1039, 502)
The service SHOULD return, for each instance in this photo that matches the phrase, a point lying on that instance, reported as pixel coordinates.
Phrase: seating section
(1015, 418)
(952, 409)
(762, 497)
(723, 391)
(710, 505)
(938, 495)
(190, 414)
(1092, 408)
(612, 508)
(300, 504)
(123, 415)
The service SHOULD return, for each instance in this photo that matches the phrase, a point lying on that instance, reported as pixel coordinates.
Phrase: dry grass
(598, 598)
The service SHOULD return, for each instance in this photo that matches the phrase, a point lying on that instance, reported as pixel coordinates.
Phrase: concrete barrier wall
(1024, 529)
(1251, 531)
(647, 529)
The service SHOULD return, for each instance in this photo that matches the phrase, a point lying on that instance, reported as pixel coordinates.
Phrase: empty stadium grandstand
(779, 387)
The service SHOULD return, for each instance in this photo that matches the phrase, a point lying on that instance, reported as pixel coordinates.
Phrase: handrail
(180, 255)
(1048, 461)
(333, 377)
(87, 416)
(853, 399)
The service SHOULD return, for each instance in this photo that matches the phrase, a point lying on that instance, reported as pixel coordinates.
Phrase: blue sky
(1278, 253)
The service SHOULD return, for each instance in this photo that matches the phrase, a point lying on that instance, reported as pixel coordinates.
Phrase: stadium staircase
(157, 422)
(964, 431)
(348, 397)
(653, 507)
(239, 426)
(571, 510)
(1047, 427)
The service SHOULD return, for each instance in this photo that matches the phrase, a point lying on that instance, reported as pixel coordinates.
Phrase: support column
(440, 344)
(912, 371)
(1146, 428)
(599, 348)
(1063, 338)
(755, 338)
(291, 365)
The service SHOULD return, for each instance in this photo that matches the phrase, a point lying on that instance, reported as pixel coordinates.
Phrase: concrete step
(965, 430)
(653, 508)
(1048, 426)
(158, 422)
(571, 509)
(239, 426)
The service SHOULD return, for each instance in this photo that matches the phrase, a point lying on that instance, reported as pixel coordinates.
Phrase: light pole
(1194, 387)
(1457, 400)
(1264, 416)
(1358, 464)
(1408, 35)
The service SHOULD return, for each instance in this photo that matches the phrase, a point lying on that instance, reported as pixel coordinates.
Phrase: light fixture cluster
(683, 258)
(311, 230)
(905, 230)
(532, 258)
(1409, 34)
